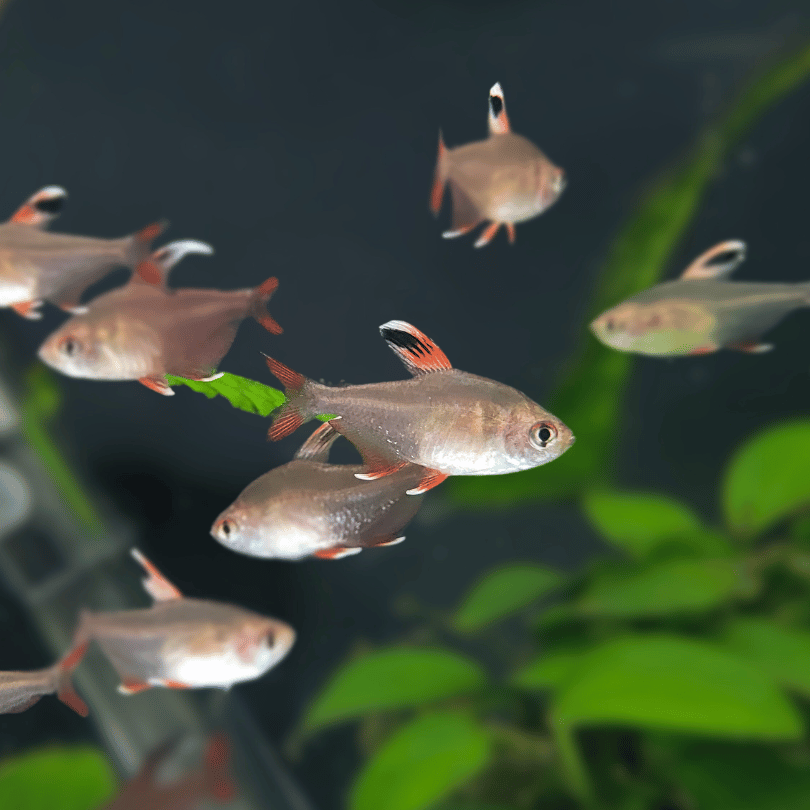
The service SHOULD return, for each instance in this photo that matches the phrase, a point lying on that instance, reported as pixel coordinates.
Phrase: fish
(702, 311)
(212, 781)
(21, 690)
(182, 643)
(310, 507)
(144, 330)
(504, 179)
(38, 266)
(445, 420)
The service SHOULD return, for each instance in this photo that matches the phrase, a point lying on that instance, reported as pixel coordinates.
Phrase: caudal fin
(219, 780)
(258, 303)
(64, 684)
(296, 410)
(139, 253)
(439, 178)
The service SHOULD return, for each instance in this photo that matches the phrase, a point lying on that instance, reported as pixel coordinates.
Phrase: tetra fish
(182, 643)
(504, 179)
(310, 507)
(37, 266)
(212, 781)
(702, 311)
(446, 420)
(21, 690)
(144, 331)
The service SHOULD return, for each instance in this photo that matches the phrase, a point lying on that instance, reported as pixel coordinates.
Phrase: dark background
(299, 139)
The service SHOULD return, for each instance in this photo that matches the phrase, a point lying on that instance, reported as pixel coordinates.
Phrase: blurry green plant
(673, 674)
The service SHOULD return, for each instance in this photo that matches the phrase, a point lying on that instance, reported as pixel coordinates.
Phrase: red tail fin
(221, 786)
(65, 691)
(140, 252)
(439, 179)
(261, 295)
(294, 412)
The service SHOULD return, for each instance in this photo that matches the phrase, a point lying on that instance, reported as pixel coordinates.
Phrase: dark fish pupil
(496, 103)
(544, 434)
(226, 528)
(70, 347)
(50, 206)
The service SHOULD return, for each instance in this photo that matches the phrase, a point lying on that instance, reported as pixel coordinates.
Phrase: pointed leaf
(768, 478)
(551, 669)
(392, 679)
(242, 393)
(502, 592)
(671, 683)
(422, 763)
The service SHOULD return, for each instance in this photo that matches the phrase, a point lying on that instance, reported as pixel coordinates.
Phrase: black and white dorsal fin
(416, 350)
(166, 257)
(498, 120)
(717, 262)
(155, 584)
(41, 208)
(318, 445)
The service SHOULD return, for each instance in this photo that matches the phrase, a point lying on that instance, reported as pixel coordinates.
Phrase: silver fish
(446, 420)
(37, 266)
(182, 643)
(504, 179)
(21, 690)
(309, 507)
(702, 311)
(143, 331)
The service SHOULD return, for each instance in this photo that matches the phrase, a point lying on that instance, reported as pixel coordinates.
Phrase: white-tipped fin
(166, 257)
(717, 262)
(155, 584)
(317, 446)
(41, 208)
(414, 348)
(498, 120)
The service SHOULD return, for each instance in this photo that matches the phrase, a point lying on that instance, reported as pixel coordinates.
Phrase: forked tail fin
(296, 410)
(439, 178)
(139, 253)
(64, 683)
(258, 305)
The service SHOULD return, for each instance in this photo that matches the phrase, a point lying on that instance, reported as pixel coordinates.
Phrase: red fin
(68, 695)
(439, 179)
(387, 540)
(145, 266)
(431, 478)
(290, 379)
(217, 768)
(154, 269)
(487, 235)
(132, 687)
(751, 348)
(28, 309)
(703, 350)
(258, 302)
(414, 348)
(287, 422)
(511, 233)
(169, 684)
(157, 384)
(156, 584)
(377, 467)
(465, 212)
(42, 207)
(289, 417)
(498, 121)
(336, 552)
(74, 657)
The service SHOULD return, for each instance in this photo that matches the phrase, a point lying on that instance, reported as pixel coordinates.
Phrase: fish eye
(227, 527)
(610, 324)
(70, 347)
(542, 434)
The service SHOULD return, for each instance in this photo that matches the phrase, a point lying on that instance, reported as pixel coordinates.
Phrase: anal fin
(701, 350)
(133, 687)
(170, 684)
(465, 212)
(157, 384)
(487, 235)
(336, 552)
(386, 540)
(377, 467)
(751, 347)
(28, 309)
(431, 478)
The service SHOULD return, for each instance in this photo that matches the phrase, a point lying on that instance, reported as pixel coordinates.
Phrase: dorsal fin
(41, 208)
(317, 446)
(498, 120)
(155, 584)
(416, 350)
(717, 262)
(166, 257)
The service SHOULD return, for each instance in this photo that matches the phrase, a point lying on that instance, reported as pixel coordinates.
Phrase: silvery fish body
(309, 507)
(702, 311)
(21, 690)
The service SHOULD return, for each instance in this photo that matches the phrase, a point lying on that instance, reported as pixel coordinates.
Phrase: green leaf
(422, 763)
(551, 669)
(670, 586)
(64, 778)
(502, 592)
(242, 393)
(781, 652)
(638, 523)
(392, 679)
(638, 258)
(768, 478)
(675, 684)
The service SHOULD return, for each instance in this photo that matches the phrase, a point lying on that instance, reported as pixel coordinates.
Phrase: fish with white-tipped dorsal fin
(503, 180)
(182, 643)
(702, 311)
(443, 419)
(37, 266)
(144, 331)
(310, 507)
(21, 690)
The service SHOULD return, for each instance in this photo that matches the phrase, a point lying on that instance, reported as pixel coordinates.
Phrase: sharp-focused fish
(504, 179)
(144, 331)
(21, 690)
(446, 420)
(309, 507)
(702, 311)
(37, 266)
(182, 643)
(212, 782)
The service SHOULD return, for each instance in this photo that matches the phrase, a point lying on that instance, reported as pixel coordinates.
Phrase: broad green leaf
(550, 670)
(675, 684)
(502, 592)
(636, 522)
(63, 778)
(768, 478)
(670, 586)
(242, 393)
(422, 763)
(591, 393)
(392, 679)
(781, 652)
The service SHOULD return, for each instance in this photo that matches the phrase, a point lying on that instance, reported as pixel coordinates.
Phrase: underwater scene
(404, 406)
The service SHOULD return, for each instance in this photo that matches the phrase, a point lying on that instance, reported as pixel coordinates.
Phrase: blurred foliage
(674, 674)
(59, 778)
(638, 259)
